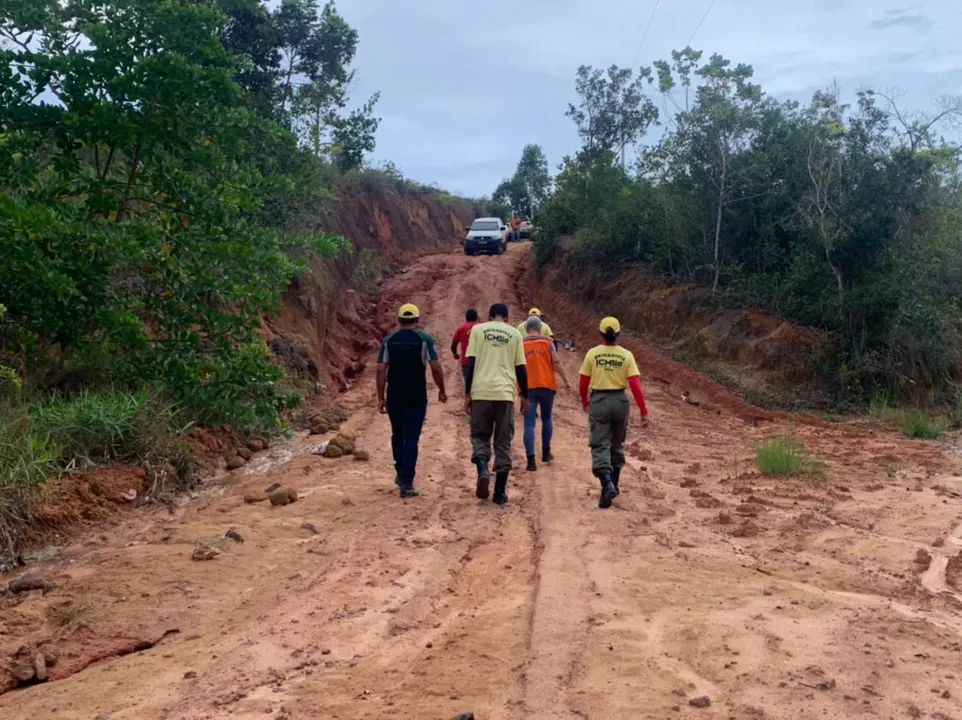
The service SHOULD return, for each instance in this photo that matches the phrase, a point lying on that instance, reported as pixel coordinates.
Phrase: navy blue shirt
(407, 353)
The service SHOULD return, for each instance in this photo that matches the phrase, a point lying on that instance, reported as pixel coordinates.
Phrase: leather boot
(484, 477)
(615, 477)
(608, 491)
(546, 455)
(500, 485)
(532, 465)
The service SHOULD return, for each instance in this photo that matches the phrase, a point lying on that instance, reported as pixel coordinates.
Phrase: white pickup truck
(486, 235)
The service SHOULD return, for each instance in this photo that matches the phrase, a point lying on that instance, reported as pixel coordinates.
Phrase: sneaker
(484, 477)
(546, 455)
(532, 466)
(409, 492)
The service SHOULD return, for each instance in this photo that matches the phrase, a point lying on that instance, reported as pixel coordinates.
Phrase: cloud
(465, 85)
(899, 18)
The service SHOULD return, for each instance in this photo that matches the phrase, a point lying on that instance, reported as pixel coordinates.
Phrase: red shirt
(515, 223)
(462, 335)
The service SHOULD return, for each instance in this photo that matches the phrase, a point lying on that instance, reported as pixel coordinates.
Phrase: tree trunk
(718, 218)
(131, 176)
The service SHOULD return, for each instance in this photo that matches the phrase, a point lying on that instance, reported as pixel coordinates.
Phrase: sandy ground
(771, 598)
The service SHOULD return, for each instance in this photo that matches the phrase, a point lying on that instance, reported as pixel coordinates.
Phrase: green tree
(129, 208)
(613, 112)
(529, 186)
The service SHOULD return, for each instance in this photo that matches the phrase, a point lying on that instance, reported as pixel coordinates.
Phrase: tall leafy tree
(613, 111)
(130, 205)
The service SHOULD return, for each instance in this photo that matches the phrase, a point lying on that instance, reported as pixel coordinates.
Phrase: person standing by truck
(401, 364)
(460, 340)
(515, 228)
(496, 367)
(543, 363)
(608, 369)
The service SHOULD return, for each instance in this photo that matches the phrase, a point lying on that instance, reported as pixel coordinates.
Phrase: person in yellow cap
(545, 328)
(401, 364)
(607, 371)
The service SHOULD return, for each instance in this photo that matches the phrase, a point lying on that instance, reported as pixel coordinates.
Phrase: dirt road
(770, 598)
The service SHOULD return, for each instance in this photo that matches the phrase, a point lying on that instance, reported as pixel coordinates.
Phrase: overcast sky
(466, 84)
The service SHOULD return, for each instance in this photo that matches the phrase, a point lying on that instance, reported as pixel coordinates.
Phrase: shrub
(919, 426)
(787, 456)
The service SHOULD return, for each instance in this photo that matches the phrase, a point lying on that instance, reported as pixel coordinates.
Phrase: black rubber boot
(546, 455)
(500, 485)
(532, 465)
(484, 477)
(615, 477)
(408, 491)
(608, 491)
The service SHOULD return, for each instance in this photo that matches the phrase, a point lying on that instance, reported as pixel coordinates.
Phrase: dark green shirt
(407, 353)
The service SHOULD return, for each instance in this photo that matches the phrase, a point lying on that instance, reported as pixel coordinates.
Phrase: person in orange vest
(515, 228)
(608, 370)
(542, 360)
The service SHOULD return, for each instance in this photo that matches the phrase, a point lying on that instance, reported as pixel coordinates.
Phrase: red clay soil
(322, 333)
(755, 351)
(780, 598)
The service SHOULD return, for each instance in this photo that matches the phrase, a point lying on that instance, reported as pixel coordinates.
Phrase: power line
(645, 36)
(700, 22)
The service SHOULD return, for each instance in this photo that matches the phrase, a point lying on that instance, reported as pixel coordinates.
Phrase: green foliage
(101, 426)
(920, 426)
(528, 187)
(787, 456)
(131, 212)
(847, 218)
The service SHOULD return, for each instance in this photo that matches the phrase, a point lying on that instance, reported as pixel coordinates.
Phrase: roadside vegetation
(843, 213)
(164, 170)
(788, 456)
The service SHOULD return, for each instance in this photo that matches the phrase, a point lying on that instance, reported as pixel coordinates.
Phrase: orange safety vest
(537, 356)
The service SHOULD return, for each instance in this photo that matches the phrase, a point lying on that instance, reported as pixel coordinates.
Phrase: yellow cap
(534, 311)
(408, 311)
(610, 323)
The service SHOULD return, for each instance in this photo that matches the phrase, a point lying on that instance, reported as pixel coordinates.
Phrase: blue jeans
(406, 423)
(516, 235)
(545, 398)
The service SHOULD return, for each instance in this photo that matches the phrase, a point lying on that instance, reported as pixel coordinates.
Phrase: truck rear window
(487, 225)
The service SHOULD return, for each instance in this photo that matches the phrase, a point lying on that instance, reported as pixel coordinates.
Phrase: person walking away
(545, 328)
(460, 340)
(543, 364)
(515, 228)
(495, 367)
(607, 370)
(401, 365)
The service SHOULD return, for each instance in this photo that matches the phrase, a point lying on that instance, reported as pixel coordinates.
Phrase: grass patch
(878, 405)
(787, 456)
(919, 426)
(42, 439)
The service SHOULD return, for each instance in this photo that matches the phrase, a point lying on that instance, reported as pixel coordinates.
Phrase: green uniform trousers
(608, 420)
(492, 417)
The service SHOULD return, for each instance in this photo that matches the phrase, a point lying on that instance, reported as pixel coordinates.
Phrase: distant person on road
(401, 364)
(515, 228)
(496, 367)
(543, 363)
(460, 341)
(607, 370)
(545, 328)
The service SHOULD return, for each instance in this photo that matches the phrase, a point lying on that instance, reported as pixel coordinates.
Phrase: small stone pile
(238, 456)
